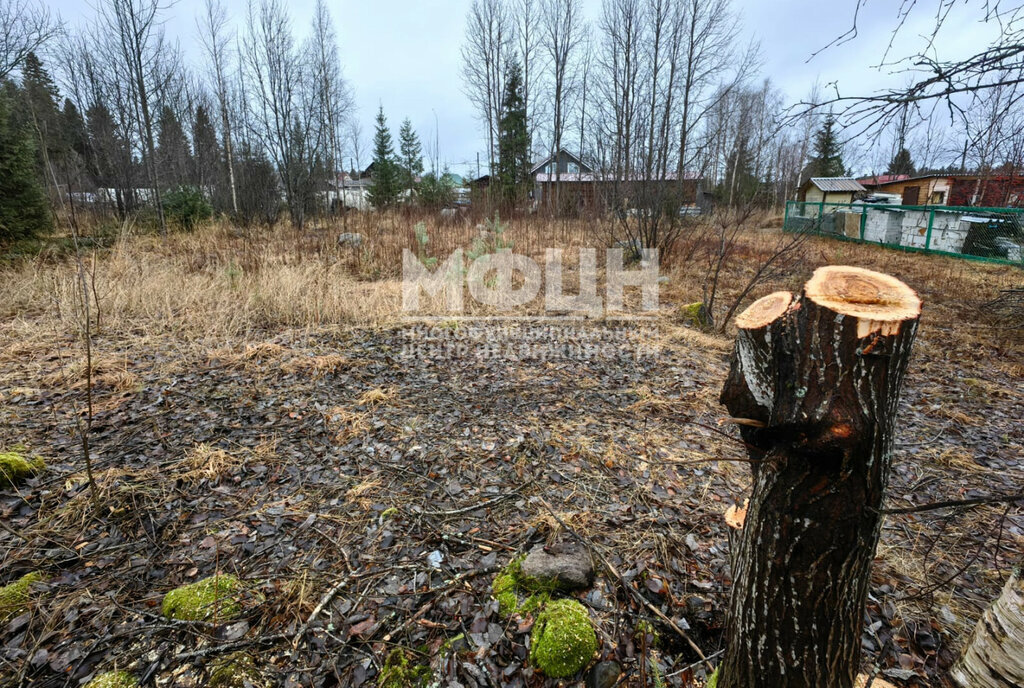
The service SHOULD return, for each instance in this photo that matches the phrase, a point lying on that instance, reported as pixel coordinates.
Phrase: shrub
(187, 206)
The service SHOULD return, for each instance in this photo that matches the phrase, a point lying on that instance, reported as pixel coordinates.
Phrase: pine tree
(828, 154)
(411, 156)
(384, 185)
(513, 137)
(901, 163)
(24, 211)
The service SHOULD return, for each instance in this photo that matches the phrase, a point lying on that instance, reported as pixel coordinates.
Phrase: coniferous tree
(41, 112)
(24, 211)
(828, 154)
(384, 185)
(76, 138)
(411, 153)
(901, 163)
(513, 137)
(173, 156)
(205, 152)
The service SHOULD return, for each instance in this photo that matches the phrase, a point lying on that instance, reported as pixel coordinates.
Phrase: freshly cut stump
(994, 656)
(814, 385)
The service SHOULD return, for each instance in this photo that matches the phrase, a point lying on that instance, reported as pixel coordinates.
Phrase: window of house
(938, 197)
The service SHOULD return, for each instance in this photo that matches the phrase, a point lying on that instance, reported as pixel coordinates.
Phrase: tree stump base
(814, 384)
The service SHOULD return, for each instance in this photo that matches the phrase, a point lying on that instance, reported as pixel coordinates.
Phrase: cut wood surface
(994, 656)
(822, 379)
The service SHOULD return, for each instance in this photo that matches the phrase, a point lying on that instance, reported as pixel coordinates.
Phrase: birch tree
(215, 38)
(489, 39)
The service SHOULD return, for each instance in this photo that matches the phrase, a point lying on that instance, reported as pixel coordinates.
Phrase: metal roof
(837, 184)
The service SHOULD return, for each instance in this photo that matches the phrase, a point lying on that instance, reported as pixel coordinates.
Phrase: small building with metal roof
(830, 190)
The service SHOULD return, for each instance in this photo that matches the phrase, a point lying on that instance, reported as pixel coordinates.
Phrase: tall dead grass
(221, 283)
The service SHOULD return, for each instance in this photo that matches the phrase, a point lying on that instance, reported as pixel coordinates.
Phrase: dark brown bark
(816, 382)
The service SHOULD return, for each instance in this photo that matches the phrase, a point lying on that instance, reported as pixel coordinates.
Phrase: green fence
(995, 234)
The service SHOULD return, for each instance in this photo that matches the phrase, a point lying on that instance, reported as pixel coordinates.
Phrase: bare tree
(215, 37)
(25, 25)
(953, 83)
(332, 97)
(489, 38)
(563, 30)
(137, 46)
(526, 20)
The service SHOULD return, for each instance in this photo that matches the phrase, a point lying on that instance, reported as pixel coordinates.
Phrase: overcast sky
(405, 55)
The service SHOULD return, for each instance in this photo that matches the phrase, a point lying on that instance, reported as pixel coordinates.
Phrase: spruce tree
(173, 156)
(513, 137)
(24, 211)
(41, 97)
(901, 163)
(384, 185)
(411, 156)
(828, 154)
(206, 153)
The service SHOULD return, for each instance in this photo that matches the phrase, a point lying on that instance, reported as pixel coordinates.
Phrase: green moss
(563, 640)
(534, 603)
(14, 598)
(388, 513)
(506, 585)
(713, 681)
(233, 672)
(213, 597)
(15, 467)
(695, 314)
(399, 673)
(113, 679)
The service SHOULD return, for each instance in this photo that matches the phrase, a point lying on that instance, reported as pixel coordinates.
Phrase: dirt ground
(376, 475)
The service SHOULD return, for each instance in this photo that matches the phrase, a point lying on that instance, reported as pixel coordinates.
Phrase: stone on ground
(564, 566)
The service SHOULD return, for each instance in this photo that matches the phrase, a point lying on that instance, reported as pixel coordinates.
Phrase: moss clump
(216, 596)
(15, 467)
(234, 672)
(113, 679)
(713, 681)
(563, 640)
(534, 603)
(399, 673)
(695, 314)
(505, 586)
(14, 598)
(388, 513)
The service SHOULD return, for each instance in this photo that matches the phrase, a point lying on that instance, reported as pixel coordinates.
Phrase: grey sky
(405, 55)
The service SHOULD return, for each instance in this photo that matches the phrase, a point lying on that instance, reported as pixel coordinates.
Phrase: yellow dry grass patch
(108, 374)
(363, 492)
(346, 424)
(316, 366)
(376, 396)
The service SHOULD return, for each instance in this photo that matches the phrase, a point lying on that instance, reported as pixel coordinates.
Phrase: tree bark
(994, 657)
(814, 383)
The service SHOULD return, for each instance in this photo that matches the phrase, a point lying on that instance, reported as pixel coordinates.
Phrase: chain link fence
(994, 234)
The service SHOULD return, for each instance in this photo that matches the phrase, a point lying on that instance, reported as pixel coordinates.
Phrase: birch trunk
(994, 657)
(815, 383)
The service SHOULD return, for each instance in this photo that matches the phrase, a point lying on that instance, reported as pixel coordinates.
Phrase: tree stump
(994, 657)
(814, 384)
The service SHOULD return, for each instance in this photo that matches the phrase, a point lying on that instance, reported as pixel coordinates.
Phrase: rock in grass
(565, 567)
(563, 640)
(236, 671)
(603, 675)
(113, 679)
(695, 314)
(15, 467)
(14, 598)
(215, 597)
